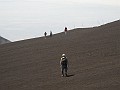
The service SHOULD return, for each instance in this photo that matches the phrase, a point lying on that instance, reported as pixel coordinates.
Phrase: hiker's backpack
(64, 61)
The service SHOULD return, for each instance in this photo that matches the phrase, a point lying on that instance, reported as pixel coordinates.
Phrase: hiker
(64, 65)
(50, 33)
(65, 30)
(45, 34)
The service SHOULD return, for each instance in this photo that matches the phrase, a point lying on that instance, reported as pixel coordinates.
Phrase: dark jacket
(64, 61)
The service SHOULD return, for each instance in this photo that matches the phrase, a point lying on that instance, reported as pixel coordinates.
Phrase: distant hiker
(64, 65)
(65, 30)
(50, 33)
(45, 34)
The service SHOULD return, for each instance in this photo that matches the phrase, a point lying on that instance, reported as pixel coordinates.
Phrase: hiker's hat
(63, 55)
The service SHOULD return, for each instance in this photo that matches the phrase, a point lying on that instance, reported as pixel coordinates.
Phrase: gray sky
(23, 19)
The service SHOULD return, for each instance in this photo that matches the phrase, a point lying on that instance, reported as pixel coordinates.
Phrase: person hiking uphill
(45, 34)
(65, 30)
(51, 34)
(64, 65)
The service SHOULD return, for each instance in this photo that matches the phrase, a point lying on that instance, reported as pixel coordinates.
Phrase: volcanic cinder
(93, 54)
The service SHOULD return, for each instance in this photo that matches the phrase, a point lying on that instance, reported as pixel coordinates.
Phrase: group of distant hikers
(45, 34)
(64, 60)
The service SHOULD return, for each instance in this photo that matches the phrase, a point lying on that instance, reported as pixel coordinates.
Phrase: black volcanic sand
(93, 54)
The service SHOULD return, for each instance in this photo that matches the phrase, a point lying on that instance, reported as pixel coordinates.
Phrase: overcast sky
(23, 19)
